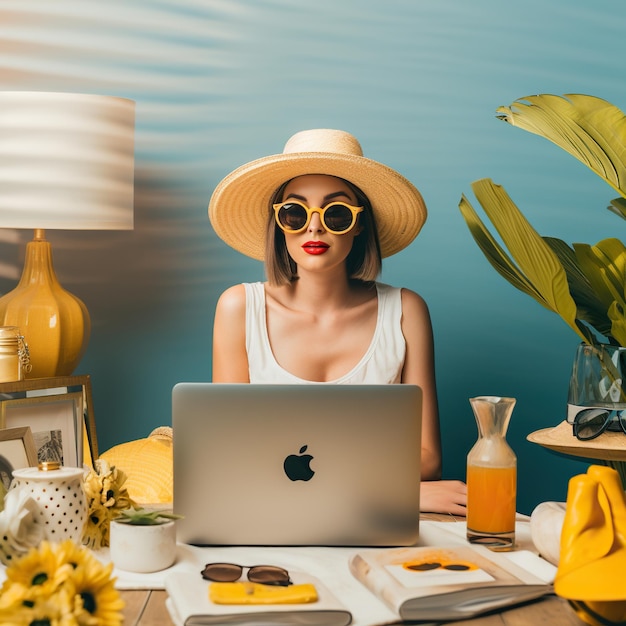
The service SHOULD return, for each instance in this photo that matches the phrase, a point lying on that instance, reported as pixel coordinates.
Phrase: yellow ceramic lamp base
(54, 322)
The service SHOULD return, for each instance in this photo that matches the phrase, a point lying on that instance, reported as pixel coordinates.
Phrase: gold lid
(48, 466)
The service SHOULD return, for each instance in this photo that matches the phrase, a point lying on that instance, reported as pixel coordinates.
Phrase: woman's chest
(321, 347)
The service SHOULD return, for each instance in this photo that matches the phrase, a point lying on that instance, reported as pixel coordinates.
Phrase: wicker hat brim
(239, 206)
(609, 446)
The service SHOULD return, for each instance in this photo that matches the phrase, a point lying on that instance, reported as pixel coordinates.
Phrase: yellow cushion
(148, 464)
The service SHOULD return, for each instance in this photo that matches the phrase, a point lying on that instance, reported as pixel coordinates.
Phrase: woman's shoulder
(409, 297)
(415, 313)
(233, 299)
(412, 297)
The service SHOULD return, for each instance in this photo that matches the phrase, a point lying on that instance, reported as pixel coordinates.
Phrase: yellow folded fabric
(593, 548)
(255, 593)
(593, 539)
(148, 464)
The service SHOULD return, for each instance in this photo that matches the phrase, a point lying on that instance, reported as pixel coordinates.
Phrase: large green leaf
(495, 254)
(618, 327)
(589, 308)
(604, 266)
(589, 128)
(540, 273)
(618, 206)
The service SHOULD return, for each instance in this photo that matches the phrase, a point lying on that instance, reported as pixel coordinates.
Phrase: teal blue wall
(220, 82)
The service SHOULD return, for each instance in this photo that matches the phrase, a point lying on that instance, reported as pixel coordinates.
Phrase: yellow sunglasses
(337, 218)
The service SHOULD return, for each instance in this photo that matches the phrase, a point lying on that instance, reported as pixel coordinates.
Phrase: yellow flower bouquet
(60, 584)
(106, 497)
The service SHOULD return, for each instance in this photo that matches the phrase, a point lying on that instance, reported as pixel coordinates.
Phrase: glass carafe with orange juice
(492, 476)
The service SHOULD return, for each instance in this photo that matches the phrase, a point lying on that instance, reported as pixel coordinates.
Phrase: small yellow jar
(14, 358)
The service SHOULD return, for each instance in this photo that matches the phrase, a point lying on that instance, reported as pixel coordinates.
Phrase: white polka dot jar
(61, 503)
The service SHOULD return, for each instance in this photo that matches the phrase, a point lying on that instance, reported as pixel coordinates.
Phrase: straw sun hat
(609, 446)
(239, 206)
(148, 464)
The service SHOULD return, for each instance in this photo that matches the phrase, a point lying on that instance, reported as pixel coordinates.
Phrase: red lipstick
(315, 247)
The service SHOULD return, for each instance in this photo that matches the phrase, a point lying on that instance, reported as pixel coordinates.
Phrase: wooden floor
(146, 608)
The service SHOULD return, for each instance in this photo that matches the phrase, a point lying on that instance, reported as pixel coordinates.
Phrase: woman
(322, 217)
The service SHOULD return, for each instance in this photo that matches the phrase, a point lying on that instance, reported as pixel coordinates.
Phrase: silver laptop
(297, 464)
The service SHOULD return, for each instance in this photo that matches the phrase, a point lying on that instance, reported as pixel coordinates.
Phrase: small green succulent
(145, 517)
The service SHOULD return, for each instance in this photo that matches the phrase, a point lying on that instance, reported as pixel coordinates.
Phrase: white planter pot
(143, 549)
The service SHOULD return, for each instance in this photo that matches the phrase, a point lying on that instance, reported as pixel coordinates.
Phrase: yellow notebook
(254, 593)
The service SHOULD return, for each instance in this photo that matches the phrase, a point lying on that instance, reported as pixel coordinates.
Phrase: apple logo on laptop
(297, 466)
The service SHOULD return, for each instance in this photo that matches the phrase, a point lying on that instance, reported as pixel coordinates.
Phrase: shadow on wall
(163, 265)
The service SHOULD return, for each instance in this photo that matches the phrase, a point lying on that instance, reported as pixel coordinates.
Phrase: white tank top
(381, 364)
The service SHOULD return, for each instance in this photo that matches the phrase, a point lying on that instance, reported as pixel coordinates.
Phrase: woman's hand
(443, 496)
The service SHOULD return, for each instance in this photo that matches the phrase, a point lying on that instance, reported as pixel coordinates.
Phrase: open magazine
(450, 583)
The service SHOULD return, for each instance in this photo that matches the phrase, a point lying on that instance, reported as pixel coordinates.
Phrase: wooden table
(147, 608)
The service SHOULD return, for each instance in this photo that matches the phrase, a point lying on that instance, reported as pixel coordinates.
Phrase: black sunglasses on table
(591, 423)
(231, 572)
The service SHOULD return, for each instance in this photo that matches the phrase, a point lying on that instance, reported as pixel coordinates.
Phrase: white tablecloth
(328, 564)
(331, 565)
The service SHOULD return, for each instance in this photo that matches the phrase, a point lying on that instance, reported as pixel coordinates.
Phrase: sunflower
(96, 531)
(13, 603)
(60, 584)
(69, 552)
(40, 571)
(49, 611)
(97, 602)
(106, 497)
(95, 599)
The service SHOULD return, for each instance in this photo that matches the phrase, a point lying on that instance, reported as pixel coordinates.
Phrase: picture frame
(54, 408)
(17, 451)
(55, 421)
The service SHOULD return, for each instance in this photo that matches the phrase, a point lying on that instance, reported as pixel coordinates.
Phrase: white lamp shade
(66, 161)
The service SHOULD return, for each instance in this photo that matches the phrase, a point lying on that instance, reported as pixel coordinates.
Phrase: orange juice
(491, 494)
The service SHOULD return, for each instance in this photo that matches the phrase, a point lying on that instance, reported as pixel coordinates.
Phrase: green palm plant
(584, 284)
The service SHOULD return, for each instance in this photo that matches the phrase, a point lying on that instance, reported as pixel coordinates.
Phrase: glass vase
(492, 476)
(596, 379)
